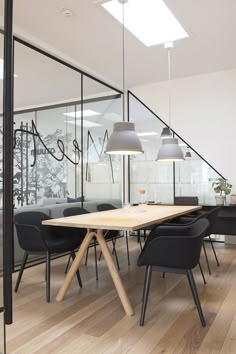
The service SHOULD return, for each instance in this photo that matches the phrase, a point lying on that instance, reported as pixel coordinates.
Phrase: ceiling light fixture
(166, 133)
(2, 69)
(124, 140)
(188, 153)
(67, 12)
(150, 21)
(86, 113)
(169, 150)
(86, 123)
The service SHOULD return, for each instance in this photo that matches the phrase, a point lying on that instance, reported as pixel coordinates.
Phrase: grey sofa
(55, 210)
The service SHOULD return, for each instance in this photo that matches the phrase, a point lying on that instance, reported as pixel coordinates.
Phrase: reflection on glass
(192, 176)
(145, 172)
(102, 172)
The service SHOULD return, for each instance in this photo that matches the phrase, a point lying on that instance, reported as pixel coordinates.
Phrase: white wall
(203, 114)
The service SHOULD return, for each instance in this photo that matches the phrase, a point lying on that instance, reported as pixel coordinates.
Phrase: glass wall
(194, 177)
(102, 172)
(145, 172)
(162, 181)
(60, 139)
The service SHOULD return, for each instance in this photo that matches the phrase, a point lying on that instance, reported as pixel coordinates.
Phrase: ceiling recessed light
(149, 20)
(86, 123)
(182, 144)
(2, 68)
(86, 113)
(67, 12)
(147, 134)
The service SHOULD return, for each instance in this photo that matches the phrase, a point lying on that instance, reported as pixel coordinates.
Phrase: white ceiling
(92, 39)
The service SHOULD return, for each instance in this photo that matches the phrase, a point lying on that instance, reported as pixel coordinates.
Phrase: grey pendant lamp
(169, 149)
(166, 133)
(188, 153)
(124, 140)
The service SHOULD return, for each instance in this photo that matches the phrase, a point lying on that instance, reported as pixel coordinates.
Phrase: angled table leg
(75, 264)
(110, 264)
(114, 274)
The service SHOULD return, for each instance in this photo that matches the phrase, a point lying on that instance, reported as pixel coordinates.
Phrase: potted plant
(222, 188)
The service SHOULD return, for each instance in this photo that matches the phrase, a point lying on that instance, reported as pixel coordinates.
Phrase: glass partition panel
(155, 177)
(45, 164)
(194, 177)
(162, 181)
(102, 173)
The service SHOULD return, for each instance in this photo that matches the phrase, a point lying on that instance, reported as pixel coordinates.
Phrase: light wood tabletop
(129, 218)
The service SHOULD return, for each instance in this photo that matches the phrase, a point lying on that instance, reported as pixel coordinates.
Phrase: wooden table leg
(75, 265)
(114, 274)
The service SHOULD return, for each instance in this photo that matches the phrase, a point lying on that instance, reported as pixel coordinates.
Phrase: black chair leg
(114, 248)
(95, 256)
(127, 246)
(163, 275)
(207, 262)
(147, 282)
(67, 265)
(77, 272)
(86, 259)
(48, 271)
(144, 235)
(213, 249)
(203, 276)
(22, 267)
(195, 296)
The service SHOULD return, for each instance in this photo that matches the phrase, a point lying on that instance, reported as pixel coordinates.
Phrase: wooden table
(127, 219)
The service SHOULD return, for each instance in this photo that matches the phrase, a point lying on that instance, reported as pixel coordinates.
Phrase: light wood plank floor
(92, 320)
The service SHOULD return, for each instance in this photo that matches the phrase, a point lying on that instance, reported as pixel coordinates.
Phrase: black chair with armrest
(35, 238)
(211, 215)
(173, 249)
(73, 211)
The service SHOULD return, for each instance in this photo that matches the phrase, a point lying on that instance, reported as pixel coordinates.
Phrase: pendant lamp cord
(123, 55)
(169, 85)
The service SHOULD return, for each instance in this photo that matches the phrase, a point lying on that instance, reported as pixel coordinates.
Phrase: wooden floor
(92, 320)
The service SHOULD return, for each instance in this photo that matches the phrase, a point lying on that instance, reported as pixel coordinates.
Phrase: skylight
(149, 20)
(1, 69)
(86, 113)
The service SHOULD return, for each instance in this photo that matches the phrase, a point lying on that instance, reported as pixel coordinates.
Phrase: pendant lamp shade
(166, 133)
(124, 140)
(188, 153)
(170, 151)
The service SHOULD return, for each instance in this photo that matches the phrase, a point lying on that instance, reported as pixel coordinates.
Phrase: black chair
(79, 211)
(173, 249)
(211, 215)
(111, 235)
(186, 200)
(35, 238)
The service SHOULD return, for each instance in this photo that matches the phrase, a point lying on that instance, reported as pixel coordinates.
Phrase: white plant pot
(233, 199)
(220, 199)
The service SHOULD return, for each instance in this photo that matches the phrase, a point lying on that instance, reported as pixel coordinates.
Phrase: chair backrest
(105, 206)
(30, 230)
(186, 200)
(175, 246)
(30, 218)
(75, 211)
